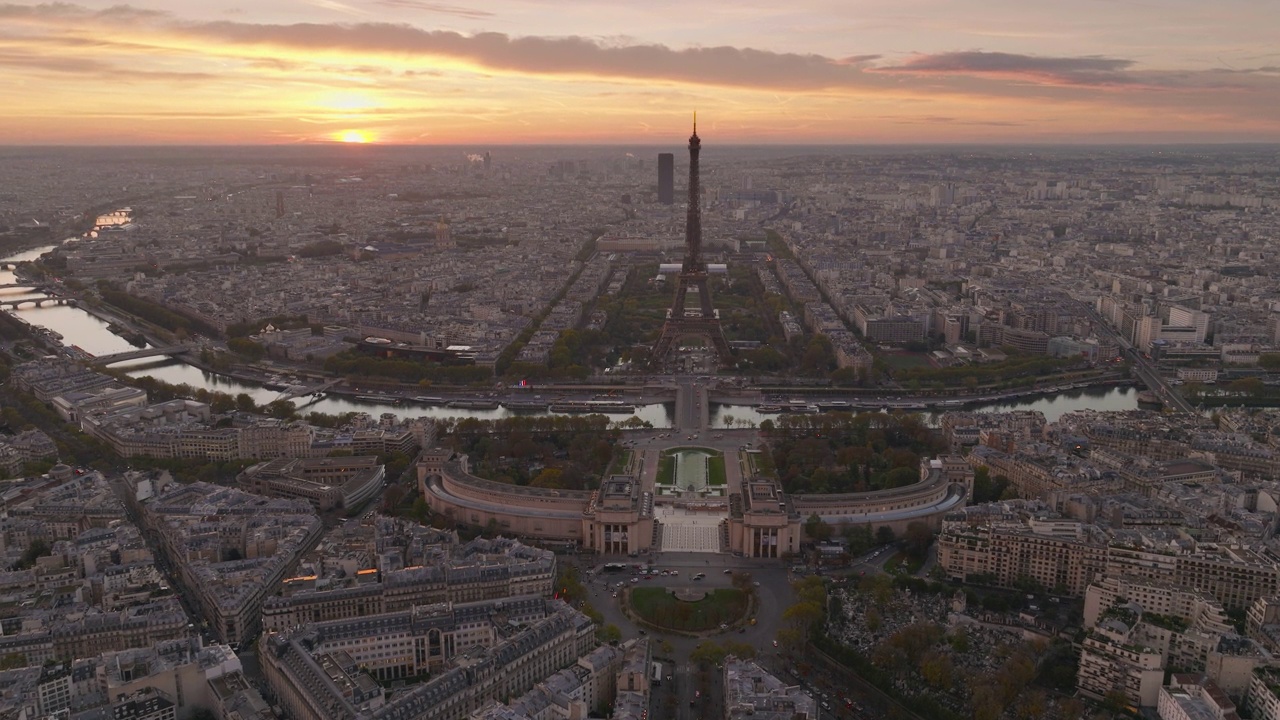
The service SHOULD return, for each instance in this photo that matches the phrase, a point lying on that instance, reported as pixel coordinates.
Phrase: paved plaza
(688, 530)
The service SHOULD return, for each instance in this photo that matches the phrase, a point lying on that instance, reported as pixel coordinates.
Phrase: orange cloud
(442, 84)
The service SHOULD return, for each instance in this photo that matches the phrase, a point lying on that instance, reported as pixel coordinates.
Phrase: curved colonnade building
(618, 518)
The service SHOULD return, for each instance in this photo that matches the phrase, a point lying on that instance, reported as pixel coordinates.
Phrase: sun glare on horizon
(354, 136)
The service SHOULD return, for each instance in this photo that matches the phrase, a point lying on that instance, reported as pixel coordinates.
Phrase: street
(773, 596)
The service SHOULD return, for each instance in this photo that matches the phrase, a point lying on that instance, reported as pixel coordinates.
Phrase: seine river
(91, 334)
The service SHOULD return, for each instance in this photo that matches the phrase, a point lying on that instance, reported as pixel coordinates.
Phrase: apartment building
(480, 652)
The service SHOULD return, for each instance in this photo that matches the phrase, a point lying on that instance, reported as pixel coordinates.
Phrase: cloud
(973, 73)
(856, 59)
(402, 58)
(432, 7)
(91, 67)
(1093, 71)
(63, 10)
(723, 65)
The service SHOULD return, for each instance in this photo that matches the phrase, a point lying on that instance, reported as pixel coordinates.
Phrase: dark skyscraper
(666, 178)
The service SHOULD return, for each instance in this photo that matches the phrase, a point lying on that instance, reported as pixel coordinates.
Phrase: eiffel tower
(703, 320)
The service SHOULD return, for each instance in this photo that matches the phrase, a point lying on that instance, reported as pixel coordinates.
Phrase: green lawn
(621, 459)
(762, 463)
(715, 470)
(667, 465)
(659, 607)
(666, 470)
(905, 361)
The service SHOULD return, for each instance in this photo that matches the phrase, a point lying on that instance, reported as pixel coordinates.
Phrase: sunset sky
(603, 71)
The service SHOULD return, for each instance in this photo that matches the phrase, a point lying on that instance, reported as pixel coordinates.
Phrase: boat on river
(577, 407)
(474, 404)
(525, 406)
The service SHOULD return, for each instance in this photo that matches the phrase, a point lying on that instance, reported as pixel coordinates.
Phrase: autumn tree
(608, 634)
(707, 654)
(549, 478)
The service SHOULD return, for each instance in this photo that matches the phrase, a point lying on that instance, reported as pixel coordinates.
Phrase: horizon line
(833, 143)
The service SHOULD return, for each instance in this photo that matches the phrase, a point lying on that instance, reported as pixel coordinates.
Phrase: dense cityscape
(400, 433)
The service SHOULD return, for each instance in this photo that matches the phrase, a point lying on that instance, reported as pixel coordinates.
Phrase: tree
(811, 589)
(421, 510)
(549, 478)
(246, 348)
(790, 638)
(872, 619)
(1269, 361)
(707, 653)
(609, 634)
(282, 409)
(880, 587)
(245, 403)
(884, 535)
(36, 550)
(899, 477)
(816, 529)
(937, 670)
(918, 537)
(859, 538)
(222, 403)
(1115, 701)
(1251, 386)
(985, 488)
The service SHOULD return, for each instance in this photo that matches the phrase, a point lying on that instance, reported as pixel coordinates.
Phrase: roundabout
(689, 610)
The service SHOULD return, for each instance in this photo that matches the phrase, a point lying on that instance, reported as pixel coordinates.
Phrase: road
(1146, 371)
(692, 405)
(773, 596)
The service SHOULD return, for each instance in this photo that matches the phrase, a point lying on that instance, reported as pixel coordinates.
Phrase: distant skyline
(619, 71)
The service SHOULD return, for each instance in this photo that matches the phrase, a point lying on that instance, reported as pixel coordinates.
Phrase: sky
(634, 71)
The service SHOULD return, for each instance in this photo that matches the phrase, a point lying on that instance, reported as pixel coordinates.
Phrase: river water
(91, 334)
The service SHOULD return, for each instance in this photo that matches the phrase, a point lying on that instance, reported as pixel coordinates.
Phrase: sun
(354, 136)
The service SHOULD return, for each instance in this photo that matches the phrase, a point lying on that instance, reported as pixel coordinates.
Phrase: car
(727, 571)
(775, 643)
(635, 579)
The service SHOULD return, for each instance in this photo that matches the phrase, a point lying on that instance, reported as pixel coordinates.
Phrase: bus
(614, 567)
(656, 673)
